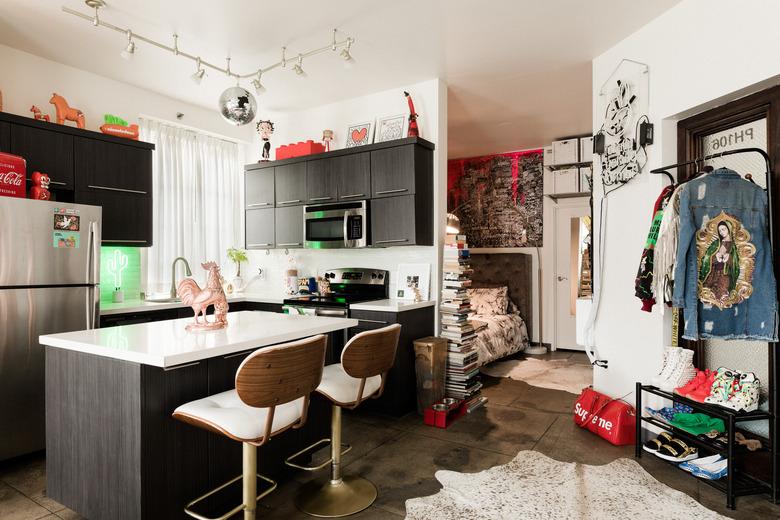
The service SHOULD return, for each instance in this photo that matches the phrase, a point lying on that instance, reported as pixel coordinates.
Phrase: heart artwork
(359, 135)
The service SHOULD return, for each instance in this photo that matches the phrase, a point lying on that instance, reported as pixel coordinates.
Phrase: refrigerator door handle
(93, 243)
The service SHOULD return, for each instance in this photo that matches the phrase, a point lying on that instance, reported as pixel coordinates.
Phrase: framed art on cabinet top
(359, 134)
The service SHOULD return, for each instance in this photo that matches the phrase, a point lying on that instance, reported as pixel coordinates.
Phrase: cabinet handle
(58, 183)
(257, 204)
(380, 322)
(258, 245)
(121, 240)
(385, 192)
(290, 244)
(394, 241)
(177, 367)
(290, 201)
(318, 198)
(353, 195)
(109, 188)
(242, 353)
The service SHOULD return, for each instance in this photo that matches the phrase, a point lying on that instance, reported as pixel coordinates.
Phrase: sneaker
(723, 386)
(693, 384)
(671, 354)
(702, 392)
(712, 471)
(746, 395)
(682, 372)
(695, 464)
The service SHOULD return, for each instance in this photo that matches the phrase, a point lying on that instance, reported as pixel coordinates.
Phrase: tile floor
(401, 456)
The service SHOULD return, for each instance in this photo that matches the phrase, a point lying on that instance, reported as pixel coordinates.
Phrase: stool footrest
(345, 448)
(188, 509)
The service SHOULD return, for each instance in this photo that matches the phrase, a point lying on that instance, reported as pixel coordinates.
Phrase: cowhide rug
(555, 374)
(533, 486)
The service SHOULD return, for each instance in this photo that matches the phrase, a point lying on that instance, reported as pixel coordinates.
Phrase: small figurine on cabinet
(116, 126)
(327, 137)
(414, 131)
(266, 128)
(40, 187)
(199, 299)
(38, 115)
(65, 112)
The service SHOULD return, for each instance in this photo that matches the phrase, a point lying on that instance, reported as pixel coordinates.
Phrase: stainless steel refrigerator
(49, 283)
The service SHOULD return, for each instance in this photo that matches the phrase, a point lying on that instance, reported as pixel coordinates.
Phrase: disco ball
(237, 106)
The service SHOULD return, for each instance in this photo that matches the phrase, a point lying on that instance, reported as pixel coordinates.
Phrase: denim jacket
(724, 280)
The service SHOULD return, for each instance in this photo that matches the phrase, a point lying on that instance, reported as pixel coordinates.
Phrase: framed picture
(359, 134)
(391, 127)
(411, 277)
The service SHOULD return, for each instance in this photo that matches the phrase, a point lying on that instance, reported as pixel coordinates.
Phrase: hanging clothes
(723, 279)
(643, 284)
(666, 251)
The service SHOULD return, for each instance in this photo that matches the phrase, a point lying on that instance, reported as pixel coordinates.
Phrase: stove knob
(373, 276)
(381, 276)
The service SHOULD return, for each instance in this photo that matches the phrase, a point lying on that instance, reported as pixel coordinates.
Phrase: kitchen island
(112, 448)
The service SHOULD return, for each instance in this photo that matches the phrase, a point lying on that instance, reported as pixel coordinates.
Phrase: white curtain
(196, 199)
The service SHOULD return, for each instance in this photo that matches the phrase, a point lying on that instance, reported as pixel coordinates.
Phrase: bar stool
(273, 387)
(365, 361)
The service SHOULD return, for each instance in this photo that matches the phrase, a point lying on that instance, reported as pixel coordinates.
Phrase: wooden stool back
(369, 354)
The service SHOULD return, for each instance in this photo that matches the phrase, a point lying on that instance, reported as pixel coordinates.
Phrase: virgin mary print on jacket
(726, 262)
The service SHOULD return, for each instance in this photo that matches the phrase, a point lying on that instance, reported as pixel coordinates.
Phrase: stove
(348, 285)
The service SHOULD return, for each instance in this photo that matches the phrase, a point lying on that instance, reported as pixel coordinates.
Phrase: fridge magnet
(118, 127)
(266, 129)
(199, 299)
(359, 134)
(413, 131)
(65, 112)
(65, 239)
(413, 282)
(38, 115)
(390, 128)
(40, 187)
(66, 222)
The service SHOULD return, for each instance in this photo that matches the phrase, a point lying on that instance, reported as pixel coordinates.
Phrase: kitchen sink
(163, 300)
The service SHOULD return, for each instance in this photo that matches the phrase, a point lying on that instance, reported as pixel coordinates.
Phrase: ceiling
(518, 71)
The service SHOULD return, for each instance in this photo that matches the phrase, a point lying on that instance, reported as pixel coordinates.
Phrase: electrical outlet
(261, 273)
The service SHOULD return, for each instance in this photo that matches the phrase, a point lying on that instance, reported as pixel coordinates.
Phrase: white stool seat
(226, 413)
(342, 388)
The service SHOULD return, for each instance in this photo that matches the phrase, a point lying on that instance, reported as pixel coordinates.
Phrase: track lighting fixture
(129, 50)
(298, 68)
(201, 65)
(199, 72)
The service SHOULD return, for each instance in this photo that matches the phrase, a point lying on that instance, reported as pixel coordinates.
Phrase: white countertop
(166, 343)
(391, 305)
(108, 308)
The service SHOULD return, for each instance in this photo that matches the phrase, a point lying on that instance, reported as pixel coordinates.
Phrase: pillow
(489, 300)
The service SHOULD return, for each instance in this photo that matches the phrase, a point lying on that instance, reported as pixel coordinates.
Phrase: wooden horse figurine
(38, 115)
(65, 112)
(199, 299)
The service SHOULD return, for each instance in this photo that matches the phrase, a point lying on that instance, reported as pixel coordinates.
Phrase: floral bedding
(504, 334)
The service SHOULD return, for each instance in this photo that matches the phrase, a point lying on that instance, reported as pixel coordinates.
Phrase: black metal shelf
(579, 164)
(710, 409)
(744, 484)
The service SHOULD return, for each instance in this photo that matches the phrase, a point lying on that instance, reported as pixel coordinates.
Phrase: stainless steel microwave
(331, 226)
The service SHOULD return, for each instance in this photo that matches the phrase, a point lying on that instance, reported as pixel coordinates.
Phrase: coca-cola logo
(11, 178)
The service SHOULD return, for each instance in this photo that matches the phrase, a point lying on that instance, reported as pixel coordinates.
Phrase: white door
(571, 223)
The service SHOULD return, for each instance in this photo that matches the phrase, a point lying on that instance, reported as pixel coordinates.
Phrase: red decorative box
(287, 151)
(12, 175)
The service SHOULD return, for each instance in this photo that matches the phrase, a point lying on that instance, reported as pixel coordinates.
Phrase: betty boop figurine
(265, 128)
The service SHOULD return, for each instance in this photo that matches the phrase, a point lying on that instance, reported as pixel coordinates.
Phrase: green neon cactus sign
(116, 265)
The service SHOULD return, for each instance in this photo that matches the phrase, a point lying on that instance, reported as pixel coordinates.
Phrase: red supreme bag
(610, 419)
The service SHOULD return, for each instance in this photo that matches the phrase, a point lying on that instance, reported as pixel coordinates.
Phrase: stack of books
(462, 372)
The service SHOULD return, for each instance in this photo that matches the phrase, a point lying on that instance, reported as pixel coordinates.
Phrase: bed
(501, 330)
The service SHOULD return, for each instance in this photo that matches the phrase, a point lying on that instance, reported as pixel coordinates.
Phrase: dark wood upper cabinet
(321, 184)
(259, 186)
(354, 176)
(401, 221)
(45, 151)
(290, 184)
(127, 217)
(260, 228)
(393, 171)
(289, 227)
(106, 166)
(5, 137)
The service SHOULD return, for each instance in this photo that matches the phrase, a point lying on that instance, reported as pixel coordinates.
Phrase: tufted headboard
(511, 269)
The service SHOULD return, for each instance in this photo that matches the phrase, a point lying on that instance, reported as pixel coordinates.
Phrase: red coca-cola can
(12, 173)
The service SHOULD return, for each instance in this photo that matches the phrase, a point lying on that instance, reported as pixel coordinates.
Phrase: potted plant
(237, 256)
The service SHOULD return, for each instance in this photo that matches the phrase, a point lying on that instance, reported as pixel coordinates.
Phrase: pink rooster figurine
(199, 299)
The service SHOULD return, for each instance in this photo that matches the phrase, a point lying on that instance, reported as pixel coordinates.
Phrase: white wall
(30, 80)
(430, 100)
(701, 53)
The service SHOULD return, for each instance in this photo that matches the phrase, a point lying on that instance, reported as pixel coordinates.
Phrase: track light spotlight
(298, 68)
(259, 87)
(199, 73)
(345, 51)
(129, 50)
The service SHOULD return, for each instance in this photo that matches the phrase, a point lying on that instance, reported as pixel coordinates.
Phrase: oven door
(335, 226)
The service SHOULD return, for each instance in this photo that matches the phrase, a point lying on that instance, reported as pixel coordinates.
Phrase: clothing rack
(743, 484)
